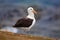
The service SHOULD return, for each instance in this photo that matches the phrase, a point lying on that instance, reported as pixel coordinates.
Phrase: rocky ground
(13, 36)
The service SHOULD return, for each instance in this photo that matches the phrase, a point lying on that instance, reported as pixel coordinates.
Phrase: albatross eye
(30, 9)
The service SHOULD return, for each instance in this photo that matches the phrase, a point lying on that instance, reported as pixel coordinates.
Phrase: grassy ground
(12, 36)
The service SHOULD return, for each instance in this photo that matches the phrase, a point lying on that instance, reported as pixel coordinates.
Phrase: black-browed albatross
(24, 23)
(28, 21)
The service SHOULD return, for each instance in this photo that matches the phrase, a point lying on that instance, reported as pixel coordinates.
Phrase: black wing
(24, 22)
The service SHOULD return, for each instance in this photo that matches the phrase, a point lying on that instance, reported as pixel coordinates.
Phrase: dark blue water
(49, 2)
(48, 17)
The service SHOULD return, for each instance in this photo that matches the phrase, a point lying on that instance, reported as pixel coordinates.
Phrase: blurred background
(48, 17)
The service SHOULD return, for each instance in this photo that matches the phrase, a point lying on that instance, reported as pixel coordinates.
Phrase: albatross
(24, 23)
(28, 21)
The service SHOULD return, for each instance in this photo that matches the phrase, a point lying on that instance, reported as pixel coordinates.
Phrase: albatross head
(31, 12)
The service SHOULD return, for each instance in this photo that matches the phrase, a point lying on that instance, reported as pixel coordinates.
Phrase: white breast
(32, 24)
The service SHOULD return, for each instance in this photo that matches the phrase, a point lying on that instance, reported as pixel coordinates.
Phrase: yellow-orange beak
(34, 11)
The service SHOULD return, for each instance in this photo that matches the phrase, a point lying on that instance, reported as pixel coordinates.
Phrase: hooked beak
(34, 11)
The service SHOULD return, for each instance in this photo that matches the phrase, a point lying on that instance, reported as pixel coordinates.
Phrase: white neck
(31, 15)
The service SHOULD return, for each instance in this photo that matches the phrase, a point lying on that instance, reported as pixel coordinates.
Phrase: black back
(24, 22)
